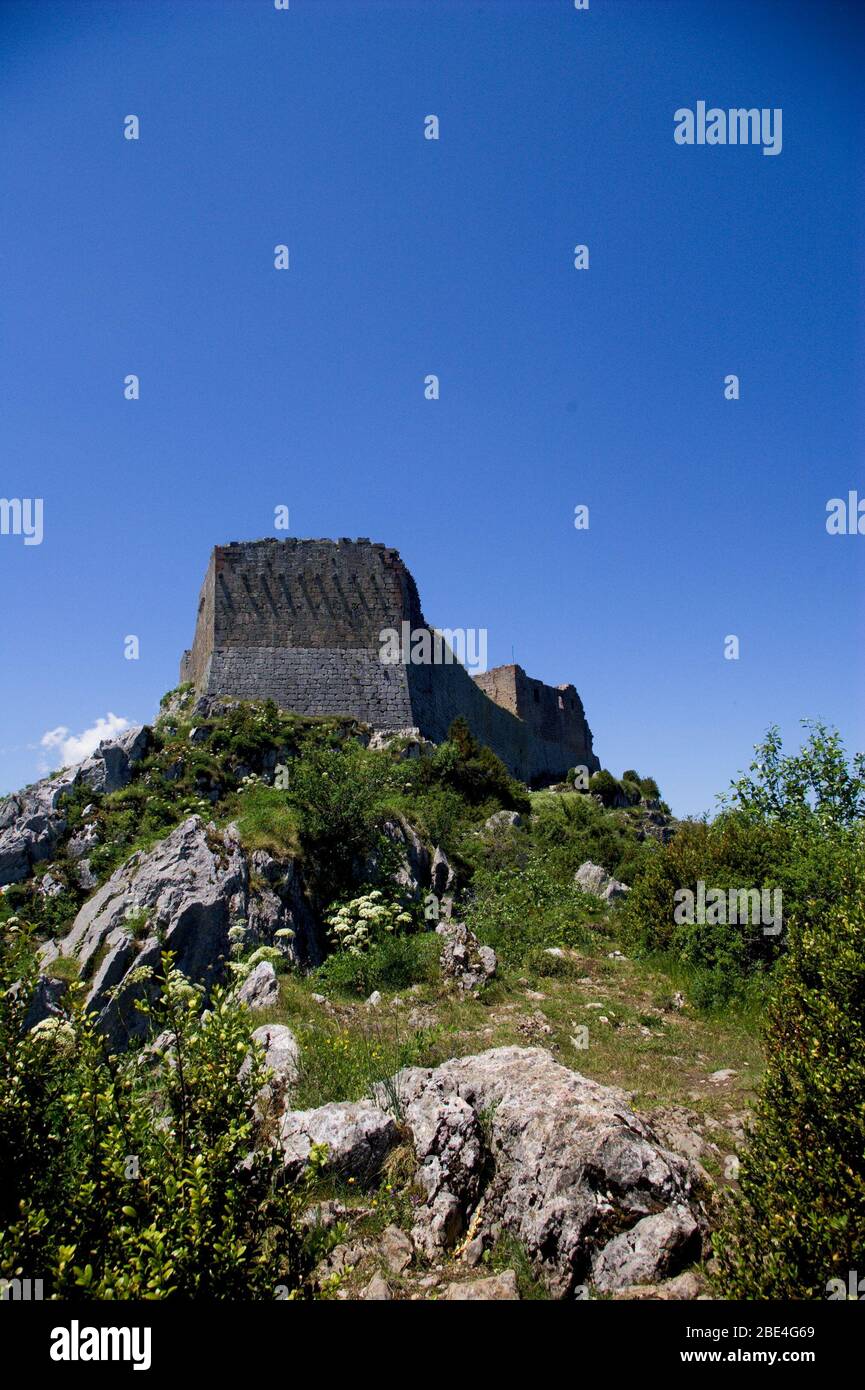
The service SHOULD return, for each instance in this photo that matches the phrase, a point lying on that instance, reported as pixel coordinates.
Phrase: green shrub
(604, 785)
(518, 910)
(439, 814)
(473, 770)
(633, 791)
(337, 794)
(573, 828)
(539, 962)
(799, 1218)
(124, 1181)
(393, 963)
(793, 824)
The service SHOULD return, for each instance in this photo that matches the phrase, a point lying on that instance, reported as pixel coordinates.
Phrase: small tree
(799, 1218)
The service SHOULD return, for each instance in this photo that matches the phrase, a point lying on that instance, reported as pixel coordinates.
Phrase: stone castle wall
(298, 621)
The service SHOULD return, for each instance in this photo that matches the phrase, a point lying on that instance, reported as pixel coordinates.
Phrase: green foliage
(632, 791)
(792, 824)
(119, 1180)
(726, 854)
(605, 785)
(63, 968)
(337, 795)
(812, 790)
(473, 770)
(799, 1218)
(517, 910)
(182, 696)
(271, 954)
(392, 963)
(265, 820)
(629, 789)
(573, 828)
(439, 813)
(510, 1253)
(249, 731)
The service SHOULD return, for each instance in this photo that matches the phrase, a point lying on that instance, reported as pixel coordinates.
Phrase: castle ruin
(300, 622)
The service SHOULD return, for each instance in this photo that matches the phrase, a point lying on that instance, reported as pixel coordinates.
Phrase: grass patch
(266, 821)
(510, 1253)
(63, 968)
(341, 1064)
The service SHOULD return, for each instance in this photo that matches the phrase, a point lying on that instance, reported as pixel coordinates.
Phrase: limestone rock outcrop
(464, 961)
(32, 822)
(592, 878)
(183, 896)
(511, 1140)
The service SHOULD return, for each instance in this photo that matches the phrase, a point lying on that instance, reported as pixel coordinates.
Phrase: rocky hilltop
(328, 876)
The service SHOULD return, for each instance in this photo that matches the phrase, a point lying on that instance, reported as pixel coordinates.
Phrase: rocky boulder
(441, 874)
(592, 878)
(464, 961)
(110, 767)
(359, 1135)
(183, 896)
(281, 1056)
(656, 1247)
(495, 1288)
(260, 989)
(512, 1141)
(407, 851)
(402, 743)
(563, 1162)
(503, 820)
(32, 825)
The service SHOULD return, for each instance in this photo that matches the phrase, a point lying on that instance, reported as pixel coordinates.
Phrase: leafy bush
(440, 814)
(393, 963)
(337, 794)
(573, 828)
(799, 1217)
(793, 824)
(605, 785)
(473, 770)
(632, 791)
(119, 1180)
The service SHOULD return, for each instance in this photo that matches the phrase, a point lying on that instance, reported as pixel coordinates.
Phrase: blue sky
(408, 256)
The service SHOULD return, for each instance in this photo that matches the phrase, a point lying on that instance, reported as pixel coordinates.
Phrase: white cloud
(74, 748)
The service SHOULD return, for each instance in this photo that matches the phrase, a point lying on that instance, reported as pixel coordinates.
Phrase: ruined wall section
(195, 663)
(539, 749)
(553, 715)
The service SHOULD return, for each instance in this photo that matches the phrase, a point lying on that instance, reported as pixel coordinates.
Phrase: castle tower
(299, 622)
